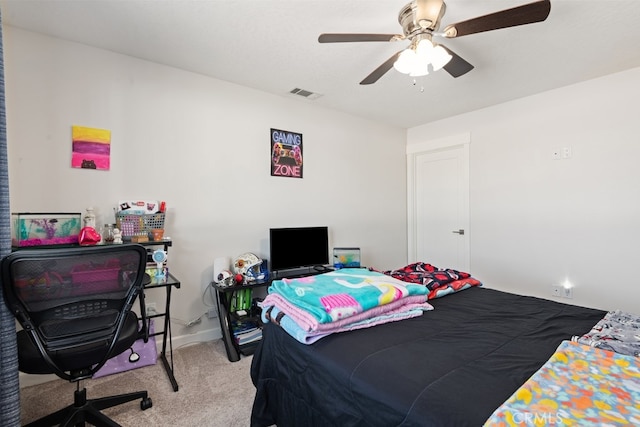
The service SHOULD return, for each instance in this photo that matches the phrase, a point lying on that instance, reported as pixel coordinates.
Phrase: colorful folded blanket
(578, 386)
(309, 323)
(288, 323)
(618, 331)
(340, 294)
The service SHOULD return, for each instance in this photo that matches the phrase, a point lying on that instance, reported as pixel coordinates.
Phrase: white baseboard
(188, 339)
(27, 380)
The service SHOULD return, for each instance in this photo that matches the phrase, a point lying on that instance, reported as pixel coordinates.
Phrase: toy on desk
(88, 236)
(117, 235)
(250, 267)
(159, 257)
(89, 218)
(224, 278)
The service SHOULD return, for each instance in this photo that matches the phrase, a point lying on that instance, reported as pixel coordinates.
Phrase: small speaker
(219, 265)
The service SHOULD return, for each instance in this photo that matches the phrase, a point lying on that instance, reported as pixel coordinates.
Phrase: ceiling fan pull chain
(415, 83)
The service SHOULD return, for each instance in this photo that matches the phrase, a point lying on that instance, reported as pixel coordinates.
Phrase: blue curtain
(9, 386)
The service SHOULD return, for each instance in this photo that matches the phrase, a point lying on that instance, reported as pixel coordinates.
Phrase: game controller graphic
(280, 150)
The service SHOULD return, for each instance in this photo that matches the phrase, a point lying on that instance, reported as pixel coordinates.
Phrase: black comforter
(451, 366)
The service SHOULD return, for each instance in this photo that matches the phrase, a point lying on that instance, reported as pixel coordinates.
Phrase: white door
(438, 207)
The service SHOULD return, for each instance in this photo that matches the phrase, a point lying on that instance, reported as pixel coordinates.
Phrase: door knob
(460, 231)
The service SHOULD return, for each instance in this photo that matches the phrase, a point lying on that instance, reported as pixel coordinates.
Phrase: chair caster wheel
(146, 404)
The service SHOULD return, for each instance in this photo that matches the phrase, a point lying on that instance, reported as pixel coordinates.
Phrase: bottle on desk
(108, 234)
(90, 218)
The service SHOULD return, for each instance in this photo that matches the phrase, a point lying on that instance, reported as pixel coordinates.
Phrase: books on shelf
(245, 332)
(239, 326)
(249, 336)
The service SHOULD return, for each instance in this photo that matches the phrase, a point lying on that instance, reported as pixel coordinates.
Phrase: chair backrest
(73, 301)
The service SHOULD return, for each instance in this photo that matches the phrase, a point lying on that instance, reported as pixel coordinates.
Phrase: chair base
(88, 410)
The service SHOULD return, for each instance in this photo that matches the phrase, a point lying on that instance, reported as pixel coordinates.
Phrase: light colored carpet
(212, 391)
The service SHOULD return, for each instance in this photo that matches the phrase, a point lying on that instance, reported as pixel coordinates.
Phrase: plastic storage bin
(139, 225)
(36, 229)
(95, 277)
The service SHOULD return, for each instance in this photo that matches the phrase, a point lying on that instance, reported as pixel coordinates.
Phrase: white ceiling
(271, 45)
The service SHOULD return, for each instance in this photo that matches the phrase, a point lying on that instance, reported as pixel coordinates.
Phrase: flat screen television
(292, 248)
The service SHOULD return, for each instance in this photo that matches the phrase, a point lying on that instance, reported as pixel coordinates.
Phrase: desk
(167, 283)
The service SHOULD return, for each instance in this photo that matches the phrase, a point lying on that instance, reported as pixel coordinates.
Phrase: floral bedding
(579, 385)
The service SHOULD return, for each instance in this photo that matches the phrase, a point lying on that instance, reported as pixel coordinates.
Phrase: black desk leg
(167, 331)
(145, 319)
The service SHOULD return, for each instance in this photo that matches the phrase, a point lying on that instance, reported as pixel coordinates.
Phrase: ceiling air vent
(305, 93)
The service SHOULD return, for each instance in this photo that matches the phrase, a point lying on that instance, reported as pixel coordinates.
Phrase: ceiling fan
(420, 21)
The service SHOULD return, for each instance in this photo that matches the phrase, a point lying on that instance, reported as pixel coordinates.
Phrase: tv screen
(298, 247)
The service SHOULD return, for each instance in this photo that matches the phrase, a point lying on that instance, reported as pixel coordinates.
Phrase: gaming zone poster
(286, 153)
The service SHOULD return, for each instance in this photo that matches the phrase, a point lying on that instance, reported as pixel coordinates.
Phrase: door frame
(432, 146)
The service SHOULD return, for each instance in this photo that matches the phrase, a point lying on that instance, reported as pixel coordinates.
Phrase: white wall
(203, 146)
(536, 221)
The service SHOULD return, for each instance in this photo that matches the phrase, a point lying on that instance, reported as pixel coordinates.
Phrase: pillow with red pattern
(440, 282)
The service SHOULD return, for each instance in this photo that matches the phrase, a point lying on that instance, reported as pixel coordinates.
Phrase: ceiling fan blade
(346, 38)
(381, 70)
(520, 15)
(457, 66)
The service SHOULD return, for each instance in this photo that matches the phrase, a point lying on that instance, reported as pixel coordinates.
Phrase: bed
(452, 366)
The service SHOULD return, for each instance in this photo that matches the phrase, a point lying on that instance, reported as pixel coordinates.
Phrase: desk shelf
(228, 317)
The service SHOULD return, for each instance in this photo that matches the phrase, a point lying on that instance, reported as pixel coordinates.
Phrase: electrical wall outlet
(561, 153)
(567, 292)
(561, 291)
(151, 308)
(212, 313)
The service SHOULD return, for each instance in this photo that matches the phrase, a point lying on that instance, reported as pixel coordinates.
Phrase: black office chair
(74, 306)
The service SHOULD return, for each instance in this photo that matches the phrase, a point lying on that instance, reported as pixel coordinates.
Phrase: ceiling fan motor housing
(421, 16)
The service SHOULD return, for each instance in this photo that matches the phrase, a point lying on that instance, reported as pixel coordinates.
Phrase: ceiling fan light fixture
(439, 57)
(406, 61)
(424, 50)
(415, 60)
(420, 69)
